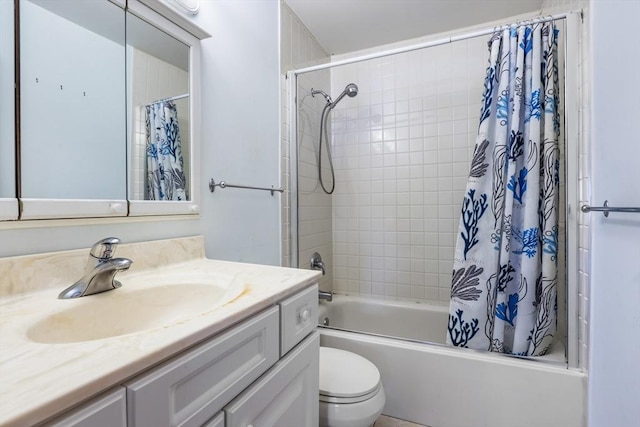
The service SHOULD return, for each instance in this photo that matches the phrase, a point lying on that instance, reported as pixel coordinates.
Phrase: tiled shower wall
(584, 196)
(315, 208)
(402, 151)
(300, 49)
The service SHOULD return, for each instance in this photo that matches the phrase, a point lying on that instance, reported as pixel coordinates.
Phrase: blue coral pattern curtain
(503, 294)
(165, 165)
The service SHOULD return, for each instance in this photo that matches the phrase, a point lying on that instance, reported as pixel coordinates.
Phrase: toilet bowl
(351, 393)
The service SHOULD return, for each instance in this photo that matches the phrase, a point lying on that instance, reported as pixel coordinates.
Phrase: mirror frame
(8, 209)
(169, 20)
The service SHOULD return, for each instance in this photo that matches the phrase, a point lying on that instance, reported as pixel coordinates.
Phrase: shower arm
(327, 98)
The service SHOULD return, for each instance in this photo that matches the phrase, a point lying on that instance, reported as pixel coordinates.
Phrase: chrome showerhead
(351, 90)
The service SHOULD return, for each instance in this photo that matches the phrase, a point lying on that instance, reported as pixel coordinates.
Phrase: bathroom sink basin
(123, 311)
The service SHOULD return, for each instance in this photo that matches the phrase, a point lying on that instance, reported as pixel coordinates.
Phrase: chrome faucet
(317, 264)
(100, 270)
(325, 295)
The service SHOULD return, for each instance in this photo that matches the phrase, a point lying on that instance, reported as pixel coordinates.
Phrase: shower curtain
(503, 294)
(165, 165)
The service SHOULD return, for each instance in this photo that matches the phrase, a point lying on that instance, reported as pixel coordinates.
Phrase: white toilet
(351, 393)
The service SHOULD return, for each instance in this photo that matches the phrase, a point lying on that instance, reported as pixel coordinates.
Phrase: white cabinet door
(286, 396)
(108, 410)
(190, 389)
(217, 421)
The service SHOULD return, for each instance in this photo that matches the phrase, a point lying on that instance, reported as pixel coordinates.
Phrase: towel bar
(222, 184)
(605, 209)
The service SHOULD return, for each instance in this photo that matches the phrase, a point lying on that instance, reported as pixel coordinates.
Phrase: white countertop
(40, 380)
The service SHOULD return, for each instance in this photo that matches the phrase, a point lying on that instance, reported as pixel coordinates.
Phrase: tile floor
(385, 421)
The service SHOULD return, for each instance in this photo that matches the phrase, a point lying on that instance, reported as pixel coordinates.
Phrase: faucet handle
(317, 264)
(105, 248)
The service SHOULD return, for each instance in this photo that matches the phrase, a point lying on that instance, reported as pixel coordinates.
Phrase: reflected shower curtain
(503, 294)
(165, 165)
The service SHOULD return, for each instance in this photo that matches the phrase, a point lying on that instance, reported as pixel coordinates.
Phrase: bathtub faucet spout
(325, 295)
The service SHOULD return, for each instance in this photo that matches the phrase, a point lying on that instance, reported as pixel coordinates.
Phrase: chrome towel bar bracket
(222, 184)
(605, 209)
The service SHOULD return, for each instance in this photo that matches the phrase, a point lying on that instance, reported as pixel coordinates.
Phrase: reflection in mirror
(158, 69)
(7, 139)
(72, 90)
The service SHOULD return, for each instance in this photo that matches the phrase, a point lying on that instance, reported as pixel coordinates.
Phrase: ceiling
(342, 26)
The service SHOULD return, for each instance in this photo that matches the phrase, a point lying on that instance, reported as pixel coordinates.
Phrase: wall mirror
(8, 196)
(72, 100)
(107, 119)
(158, 76)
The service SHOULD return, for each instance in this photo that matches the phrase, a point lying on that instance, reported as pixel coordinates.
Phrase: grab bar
(605, 209)
(222, 184)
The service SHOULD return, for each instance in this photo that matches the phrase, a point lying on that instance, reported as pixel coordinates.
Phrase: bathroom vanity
(251, 358)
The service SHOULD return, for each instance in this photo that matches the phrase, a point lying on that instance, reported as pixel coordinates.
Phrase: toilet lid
(346, 375)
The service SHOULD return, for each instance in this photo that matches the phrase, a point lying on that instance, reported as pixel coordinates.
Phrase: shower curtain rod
(432, 43)
(172, 98)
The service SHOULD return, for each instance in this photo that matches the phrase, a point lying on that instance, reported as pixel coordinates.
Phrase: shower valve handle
(317, 264)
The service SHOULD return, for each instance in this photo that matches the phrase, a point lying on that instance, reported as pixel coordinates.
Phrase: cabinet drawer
(190, 389)
(298, 317)
(108, 410)
(287, 395)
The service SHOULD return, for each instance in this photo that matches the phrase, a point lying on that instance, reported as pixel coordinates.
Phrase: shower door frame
(573, 130)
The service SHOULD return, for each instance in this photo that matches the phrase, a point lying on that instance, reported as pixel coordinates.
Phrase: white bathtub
(429, 383)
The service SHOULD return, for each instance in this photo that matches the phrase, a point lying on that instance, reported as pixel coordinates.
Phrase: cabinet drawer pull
(297, 314)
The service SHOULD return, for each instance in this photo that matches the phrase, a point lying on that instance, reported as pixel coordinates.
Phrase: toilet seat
(346, 377)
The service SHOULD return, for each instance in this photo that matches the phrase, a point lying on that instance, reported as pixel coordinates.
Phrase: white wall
(614, 360)
(240, 144)
(241, 129)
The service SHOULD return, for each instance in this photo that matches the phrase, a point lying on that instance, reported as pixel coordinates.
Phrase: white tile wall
(559, 6)
(402, 149)
(315, 208)
(299, 49)
(154, 79)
